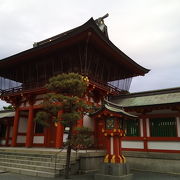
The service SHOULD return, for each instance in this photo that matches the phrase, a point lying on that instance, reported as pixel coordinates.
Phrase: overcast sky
(148, 31)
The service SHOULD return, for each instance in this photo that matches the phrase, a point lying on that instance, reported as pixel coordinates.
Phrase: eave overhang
(113, 108)
(90, 31)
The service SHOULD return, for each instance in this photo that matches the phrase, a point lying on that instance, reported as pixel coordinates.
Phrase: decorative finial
(100, 23)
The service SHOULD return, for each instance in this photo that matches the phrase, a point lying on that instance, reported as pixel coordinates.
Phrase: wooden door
(51, 135)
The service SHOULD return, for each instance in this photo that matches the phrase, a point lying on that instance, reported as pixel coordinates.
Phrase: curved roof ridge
(90, 24)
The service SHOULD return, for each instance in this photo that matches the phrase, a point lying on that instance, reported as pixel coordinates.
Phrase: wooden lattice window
(121, 123)
(132, 127)
(110, 123)
(163, 127)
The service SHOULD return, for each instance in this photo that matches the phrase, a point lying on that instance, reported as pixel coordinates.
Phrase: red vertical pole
(30, 126)
(145, 133)
(116, 149)
(116, 145)
(59, 133)
(15, 127)
(108, 145)
(120, 145)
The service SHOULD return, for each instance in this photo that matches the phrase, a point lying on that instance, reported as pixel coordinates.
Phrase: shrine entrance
(50, 135)
(6, 124)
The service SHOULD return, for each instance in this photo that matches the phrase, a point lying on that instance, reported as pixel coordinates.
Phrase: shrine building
(152, 118)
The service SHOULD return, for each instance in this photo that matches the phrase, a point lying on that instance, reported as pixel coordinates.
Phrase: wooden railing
(29, 86)
(24, 87)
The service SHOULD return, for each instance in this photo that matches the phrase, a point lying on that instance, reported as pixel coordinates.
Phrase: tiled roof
(165, 96)
(5, 114)
(113, 108)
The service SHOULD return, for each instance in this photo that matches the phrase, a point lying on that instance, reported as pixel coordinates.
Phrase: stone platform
(111, 171)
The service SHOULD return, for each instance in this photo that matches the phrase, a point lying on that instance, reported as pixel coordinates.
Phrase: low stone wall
(90, 161)
(153, 161)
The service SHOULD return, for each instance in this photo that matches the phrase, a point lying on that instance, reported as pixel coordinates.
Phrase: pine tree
(66, 95)
(10, 107)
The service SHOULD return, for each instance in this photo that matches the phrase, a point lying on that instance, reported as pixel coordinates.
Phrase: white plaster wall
(178, 126)
(22, 105)
(40, 96)
(22, 102)
(38, 102)
(9, 142)
(3, 142)
(88, 122)
(38, 140)
(27, 104)
(65, 137)
(133, 144)
(24, 113)
(21, 139)
(100, 102)
(164, 145)
(22, 128)
(91, 99)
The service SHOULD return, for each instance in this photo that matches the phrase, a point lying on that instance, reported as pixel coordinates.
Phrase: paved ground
(138, 175)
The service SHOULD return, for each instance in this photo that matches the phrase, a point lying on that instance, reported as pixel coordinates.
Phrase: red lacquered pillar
(30, 128)
(59, 133)
(15, 128)
(108, 149)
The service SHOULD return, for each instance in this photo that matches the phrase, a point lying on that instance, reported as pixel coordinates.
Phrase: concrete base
(110, 171)
(2, 171)
(153, 161)
(110, 177)
(91, 162)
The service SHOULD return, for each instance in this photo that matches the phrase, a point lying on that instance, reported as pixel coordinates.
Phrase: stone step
(25, 157)
(36, 153)
(45, 165)
(26, 154)
(34, 160)
(32, 167)
(33, 163)
(29, 172)
(59, 163)
(32, 157)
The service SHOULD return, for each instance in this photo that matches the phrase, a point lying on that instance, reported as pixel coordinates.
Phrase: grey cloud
(147, 31)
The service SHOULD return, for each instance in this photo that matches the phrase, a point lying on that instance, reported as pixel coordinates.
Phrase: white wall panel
(38, 102)
(164, 145)
(133, 144)
(3, 142)
(88, 122)
(21, 139)
(22, 128)
(9, 142)
(38, 140)
(65, 136)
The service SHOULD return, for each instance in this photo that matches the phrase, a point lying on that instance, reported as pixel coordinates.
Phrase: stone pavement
(138, 175)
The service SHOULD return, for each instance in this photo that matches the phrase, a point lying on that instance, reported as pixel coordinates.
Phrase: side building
(158, 127)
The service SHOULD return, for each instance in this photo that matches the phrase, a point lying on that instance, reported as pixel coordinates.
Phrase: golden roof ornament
(101, 25)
